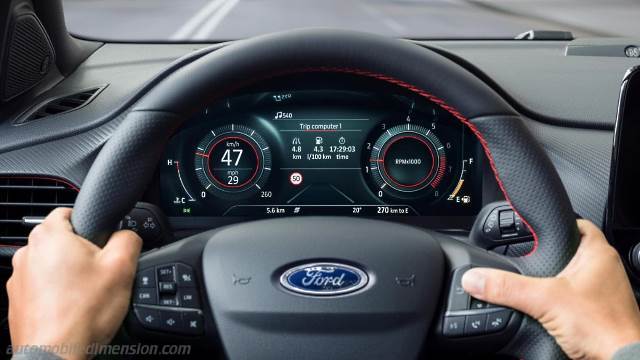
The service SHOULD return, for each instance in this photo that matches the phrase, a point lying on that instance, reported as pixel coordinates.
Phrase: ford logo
(324, 279)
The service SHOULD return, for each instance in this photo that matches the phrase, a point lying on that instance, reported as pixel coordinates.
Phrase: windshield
(211, 20)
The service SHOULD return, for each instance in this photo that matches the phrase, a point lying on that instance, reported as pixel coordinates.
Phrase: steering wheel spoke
(469, 323)
(230, 278)
(240, 268)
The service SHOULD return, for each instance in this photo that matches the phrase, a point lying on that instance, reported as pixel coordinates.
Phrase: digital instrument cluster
(291, 149)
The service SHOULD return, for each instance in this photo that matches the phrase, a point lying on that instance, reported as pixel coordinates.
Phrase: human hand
(65, 290)
(589, 308)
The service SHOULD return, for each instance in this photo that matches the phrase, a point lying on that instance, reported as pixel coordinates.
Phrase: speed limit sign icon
(295, 178)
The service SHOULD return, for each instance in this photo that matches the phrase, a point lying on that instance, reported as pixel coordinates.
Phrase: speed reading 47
(232, 161)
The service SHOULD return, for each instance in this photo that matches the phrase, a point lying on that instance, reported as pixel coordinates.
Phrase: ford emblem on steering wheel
(324, 279)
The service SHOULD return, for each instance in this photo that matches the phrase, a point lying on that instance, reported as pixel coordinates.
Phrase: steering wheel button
(192, 322)
(497, 321)
(491, 227)
(143, 222)
(146, 278)
(167, 287)
(170, 300)
(149, 318)
(477, 304)
(166, 273)
(507, 223)
(171, 321)
(475, 324)
(453, 326)
(145, 296)
(189, 298)
(506, 218)
(458, 298)
(185, 276)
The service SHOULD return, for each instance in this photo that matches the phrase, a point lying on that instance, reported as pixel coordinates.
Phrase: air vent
(23, 199)
(62, 105)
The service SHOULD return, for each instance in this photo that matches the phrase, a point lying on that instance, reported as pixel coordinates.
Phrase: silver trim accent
(476, 311)
(364, 280)
(32, 220)
(172, 308)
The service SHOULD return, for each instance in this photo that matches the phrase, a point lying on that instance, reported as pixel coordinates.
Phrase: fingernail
(473, 282)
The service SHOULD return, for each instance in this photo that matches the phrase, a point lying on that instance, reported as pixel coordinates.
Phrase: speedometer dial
(232, 161)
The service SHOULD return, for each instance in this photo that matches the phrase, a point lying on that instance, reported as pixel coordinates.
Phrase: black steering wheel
(237, 268)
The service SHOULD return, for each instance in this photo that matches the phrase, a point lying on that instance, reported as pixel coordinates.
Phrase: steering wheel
(412, 291)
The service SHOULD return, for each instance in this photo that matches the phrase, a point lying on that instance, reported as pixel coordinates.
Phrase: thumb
(122, 250)
(523, 293)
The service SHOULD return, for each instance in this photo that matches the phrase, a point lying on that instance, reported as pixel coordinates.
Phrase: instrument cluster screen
(295, 150)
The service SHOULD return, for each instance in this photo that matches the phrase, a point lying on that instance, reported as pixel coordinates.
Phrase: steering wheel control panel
(149, 222)
(466, 316)
(167, 299)
(498, 226)
(286, 149)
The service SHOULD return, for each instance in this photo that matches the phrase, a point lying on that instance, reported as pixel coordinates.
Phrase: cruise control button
(168, 300)
(453, 326)
(475, 324)
(145, 296)
(166, 273)
(498, 320)
(185, 276)
(189, 298)
(146, 278)
(171, 321)
(193, 322)
(149, 318)
(167, 287)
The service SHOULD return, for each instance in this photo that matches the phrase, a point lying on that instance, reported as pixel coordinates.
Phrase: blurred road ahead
(232, 19)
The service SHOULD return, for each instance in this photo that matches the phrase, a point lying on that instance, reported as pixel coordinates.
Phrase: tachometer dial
(407, 161)
(232, 161)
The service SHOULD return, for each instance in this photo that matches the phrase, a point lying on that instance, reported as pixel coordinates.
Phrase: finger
(18, 258)
(505, 288)
(37, 234)
(16, 262)
(123, 248)
(590, 232)
(9, 286)
(59, 220)
(592, 241)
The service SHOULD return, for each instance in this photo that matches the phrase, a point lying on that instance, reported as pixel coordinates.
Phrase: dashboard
(577, 135)
(321, 145)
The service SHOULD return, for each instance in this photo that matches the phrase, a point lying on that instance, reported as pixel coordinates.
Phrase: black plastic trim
(616, 150)
(527, 112)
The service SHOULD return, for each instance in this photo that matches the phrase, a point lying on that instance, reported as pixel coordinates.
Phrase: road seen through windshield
(194, 20)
